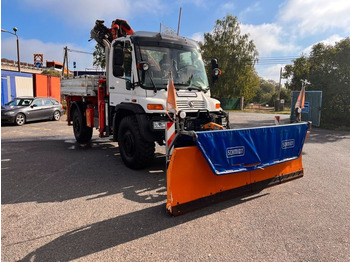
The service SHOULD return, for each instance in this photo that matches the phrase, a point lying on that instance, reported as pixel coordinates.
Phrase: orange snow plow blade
(192, 183)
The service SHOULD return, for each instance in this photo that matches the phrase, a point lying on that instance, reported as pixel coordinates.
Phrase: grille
(190, 104)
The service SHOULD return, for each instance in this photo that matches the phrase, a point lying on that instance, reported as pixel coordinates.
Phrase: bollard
(277, 120)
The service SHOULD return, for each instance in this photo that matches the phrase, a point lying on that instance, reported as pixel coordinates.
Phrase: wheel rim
(20, 119)
(129, 144)
(57, 115)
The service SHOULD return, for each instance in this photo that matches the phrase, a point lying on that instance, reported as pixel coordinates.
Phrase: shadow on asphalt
(109, 233)
(318, 135)
(58, 170)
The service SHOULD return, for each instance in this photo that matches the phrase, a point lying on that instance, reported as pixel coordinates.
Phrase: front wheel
(20, 119)
(82, 132)
(136, 153)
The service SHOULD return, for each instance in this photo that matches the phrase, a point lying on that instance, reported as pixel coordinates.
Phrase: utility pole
(65, 61)
(279, 85)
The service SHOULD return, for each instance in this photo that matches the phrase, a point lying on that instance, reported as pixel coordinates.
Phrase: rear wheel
(20, 119)
(134, 150)
(56, 115)
(82, 132)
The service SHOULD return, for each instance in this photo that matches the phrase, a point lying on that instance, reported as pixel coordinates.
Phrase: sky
(281, 30)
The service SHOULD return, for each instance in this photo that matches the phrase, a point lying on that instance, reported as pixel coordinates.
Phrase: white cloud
(272, 72)
(229, 6)
(199, 37)
(51, 51)
(80, 13)
(224, 9)
(269, 38)
(316, 16)
(251, 9)
(329, 41)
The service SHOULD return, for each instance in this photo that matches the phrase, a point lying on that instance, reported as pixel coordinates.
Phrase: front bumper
(7, 118)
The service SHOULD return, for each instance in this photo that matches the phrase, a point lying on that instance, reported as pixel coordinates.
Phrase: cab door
(121, 75)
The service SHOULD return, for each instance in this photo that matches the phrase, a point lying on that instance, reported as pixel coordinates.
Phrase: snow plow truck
(156, 90)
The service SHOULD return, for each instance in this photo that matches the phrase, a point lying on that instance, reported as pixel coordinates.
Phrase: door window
(38, 102)
(127, 60)
(48, 102)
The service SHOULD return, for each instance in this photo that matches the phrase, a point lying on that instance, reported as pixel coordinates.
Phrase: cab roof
(145, 36)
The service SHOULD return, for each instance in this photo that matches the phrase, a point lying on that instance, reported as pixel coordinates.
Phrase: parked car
(26, 109)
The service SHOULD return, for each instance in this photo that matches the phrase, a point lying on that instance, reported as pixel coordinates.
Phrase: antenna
(178, 26)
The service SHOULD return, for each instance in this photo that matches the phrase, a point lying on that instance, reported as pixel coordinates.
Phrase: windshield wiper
(195, 87)
(154, 86)
(181, 84)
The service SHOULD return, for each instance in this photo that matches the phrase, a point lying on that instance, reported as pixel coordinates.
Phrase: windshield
(185, 64)
(20, 102)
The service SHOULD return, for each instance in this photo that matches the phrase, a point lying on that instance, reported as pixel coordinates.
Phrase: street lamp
(15, 33)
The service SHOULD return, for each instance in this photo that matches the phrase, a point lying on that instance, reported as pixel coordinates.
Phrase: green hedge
(230, 103)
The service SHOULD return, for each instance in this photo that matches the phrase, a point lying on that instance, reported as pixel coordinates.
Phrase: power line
(275, 60)
(78, 51)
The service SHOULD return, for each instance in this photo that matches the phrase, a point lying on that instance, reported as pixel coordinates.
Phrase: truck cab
(142, 64)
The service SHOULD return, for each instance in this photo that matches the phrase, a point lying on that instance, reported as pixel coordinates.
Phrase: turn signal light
(155, 107)
(217, 106)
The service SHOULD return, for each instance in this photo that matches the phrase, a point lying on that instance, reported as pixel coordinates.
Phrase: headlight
(182, 114)
(9, 113)
(223, 121)
(159, 125)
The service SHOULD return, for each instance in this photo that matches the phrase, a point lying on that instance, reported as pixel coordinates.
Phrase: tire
(56, 115)
(82, 132)
(20, 119)
(136, 153)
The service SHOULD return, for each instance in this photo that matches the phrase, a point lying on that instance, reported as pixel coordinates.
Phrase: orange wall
(56, 87)
(47, 86)
(40, 85)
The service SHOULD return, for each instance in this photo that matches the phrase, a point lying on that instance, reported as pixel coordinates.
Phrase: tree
(51, 73)
(99, 57)
(297, 72)
(327, 69)
(236, 55)
(266, 93)
(168, 30)
(286, 94)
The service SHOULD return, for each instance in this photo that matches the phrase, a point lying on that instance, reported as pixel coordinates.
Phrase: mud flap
(200, 175)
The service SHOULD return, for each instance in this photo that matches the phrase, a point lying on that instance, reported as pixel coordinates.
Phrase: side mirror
(215, 70)
(144, 66)
(118, 61)
(34, 105)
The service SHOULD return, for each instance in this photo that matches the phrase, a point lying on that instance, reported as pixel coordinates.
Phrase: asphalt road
(61, 201)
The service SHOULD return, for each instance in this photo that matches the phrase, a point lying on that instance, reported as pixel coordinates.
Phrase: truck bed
(85, 85)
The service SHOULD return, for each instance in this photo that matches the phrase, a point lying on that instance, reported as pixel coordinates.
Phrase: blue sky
(281, 30)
